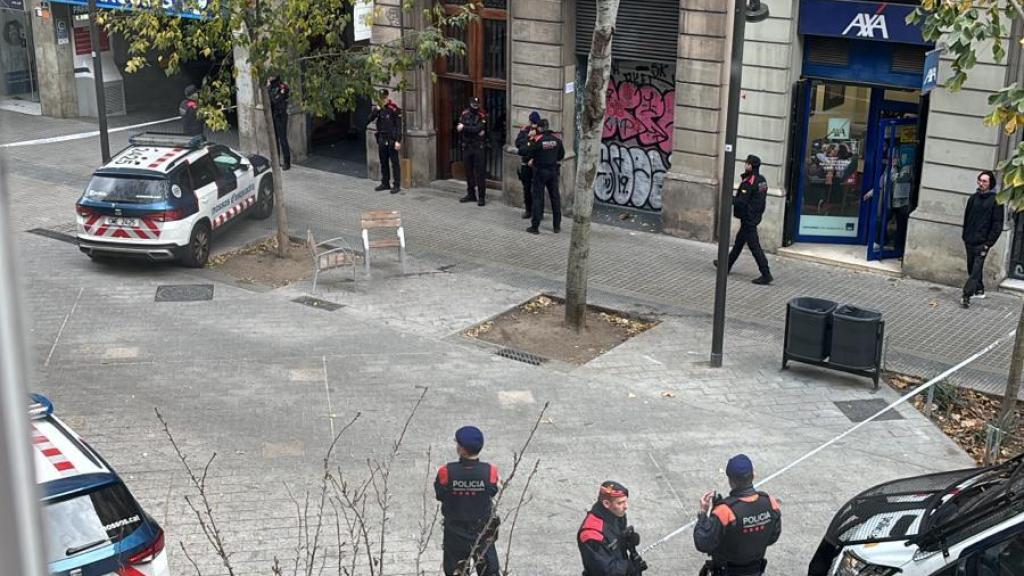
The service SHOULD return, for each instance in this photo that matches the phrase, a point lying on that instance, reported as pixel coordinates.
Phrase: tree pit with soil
(538, 327)
(258, 263)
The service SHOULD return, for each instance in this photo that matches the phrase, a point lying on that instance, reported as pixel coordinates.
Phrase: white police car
(961, 523)
(164, 197)
(93, 526)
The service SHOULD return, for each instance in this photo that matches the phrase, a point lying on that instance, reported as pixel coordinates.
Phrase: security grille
(645, 30)
(908, 59)
(828, 51)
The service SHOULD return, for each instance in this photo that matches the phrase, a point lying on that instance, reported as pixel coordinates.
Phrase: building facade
(864, 166)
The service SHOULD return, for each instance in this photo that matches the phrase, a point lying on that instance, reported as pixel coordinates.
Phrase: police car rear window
(127, 189)
(90, 521)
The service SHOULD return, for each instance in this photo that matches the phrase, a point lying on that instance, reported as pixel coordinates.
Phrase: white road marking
(62, 325)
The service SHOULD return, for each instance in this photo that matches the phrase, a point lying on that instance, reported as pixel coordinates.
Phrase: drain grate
(184, 292)
(318, 303)
(54, 235)
(520, 356)
(861, 410)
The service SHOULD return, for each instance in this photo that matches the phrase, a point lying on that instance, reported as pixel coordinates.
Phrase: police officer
(740, 527)
(523, 139)
(465, 489)
(544, 154)
(748, 206)
(607, 543)
(279, 93)
(188, 110)
(473, 128)
(388, 116)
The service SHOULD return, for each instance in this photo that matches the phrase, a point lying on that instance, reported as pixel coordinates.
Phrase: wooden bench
(330, 254)
(383, 220)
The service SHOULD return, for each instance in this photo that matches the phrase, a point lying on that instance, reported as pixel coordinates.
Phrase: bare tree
(599, 67)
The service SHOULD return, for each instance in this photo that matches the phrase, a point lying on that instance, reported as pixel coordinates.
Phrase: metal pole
(97, 74)
(728, 170)
(21, 541)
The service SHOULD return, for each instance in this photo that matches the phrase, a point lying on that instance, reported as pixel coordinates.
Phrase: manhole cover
(318, 303)
(520, 356)
(54, 235)
(861, 410)
(184, 292)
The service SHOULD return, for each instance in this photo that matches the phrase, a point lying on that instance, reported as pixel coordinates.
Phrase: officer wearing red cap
(740, 527)
(465, 489)
(607, 544)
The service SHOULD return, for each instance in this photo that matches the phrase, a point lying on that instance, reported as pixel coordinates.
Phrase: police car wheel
(265, 200)
(198, 249)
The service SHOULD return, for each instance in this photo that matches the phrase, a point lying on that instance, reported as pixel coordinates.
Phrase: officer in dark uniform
(279, 93)
(545, 152)
(388, 116)
(465, 489)
(523, 139)
(739, 528)
(607, 544)
(473, 128)
(748, 206)
(188, 110)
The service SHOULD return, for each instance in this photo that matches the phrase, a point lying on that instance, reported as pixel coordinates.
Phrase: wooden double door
(482, 72)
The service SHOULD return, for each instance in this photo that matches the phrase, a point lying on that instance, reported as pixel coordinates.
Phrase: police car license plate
(122, 222)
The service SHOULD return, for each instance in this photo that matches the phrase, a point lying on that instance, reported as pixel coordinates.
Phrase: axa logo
(867, 25)
(932, 76)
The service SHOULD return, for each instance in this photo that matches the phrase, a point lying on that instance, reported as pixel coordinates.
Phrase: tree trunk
(263, 101)
(599, 67)
(1007, 412)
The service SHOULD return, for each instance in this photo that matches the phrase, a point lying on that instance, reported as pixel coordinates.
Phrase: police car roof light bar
(40, 407)
(168, 140)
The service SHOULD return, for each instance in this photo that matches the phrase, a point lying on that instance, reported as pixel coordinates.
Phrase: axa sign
(867, 25)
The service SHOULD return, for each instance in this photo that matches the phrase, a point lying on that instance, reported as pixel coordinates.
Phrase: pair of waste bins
(840, 337)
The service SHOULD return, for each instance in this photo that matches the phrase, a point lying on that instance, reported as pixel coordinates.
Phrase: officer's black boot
(763, 280)
(382, 187)
(468, 198)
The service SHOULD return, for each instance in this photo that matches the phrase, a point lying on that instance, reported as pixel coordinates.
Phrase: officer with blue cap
(465, 489)
(737, 530)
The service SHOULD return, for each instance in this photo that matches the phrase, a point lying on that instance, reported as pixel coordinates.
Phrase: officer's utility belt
(712, 568)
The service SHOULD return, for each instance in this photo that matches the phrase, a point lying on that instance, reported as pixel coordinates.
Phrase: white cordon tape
(84, 135)
(853, 429)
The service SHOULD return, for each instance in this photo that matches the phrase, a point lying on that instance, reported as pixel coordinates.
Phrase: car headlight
(851, 565)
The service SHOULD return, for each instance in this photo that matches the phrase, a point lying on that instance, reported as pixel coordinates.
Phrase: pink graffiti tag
(643, 113)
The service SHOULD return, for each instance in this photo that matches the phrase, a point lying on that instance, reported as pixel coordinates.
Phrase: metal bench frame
(337, 254)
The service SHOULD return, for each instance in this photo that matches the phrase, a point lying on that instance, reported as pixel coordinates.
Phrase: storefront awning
(872, 21)
(183, 9)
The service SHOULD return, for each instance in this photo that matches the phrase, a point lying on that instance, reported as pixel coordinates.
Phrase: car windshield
(86, 522)
(127, 189)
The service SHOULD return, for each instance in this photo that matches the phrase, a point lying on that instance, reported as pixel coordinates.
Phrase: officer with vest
(279, 93)
(739, 528)
(607, 543)
(748, 206)
(523, 139)
(544, 154)
(472, 127)
(389, 141)
(465, 489)
(188, 110)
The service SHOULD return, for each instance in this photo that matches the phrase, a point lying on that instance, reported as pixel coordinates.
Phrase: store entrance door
(892, 187)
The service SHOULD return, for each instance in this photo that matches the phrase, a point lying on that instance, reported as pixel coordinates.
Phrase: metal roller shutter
(645, 30)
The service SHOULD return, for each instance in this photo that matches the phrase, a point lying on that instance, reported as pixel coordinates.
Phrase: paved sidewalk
(926, 330)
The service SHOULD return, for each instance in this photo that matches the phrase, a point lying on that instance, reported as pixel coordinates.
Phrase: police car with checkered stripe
(166, 195)
(93, 525)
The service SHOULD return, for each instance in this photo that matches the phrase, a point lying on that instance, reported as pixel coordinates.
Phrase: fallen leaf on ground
(668, 395)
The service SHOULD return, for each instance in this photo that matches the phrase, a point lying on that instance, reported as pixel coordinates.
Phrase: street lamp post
(97, 74)
(742, 12)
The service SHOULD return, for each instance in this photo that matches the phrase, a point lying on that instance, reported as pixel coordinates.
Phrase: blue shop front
(861, 112)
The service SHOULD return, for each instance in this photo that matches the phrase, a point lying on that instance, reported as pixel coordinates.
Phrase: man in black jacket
(748, 206)
(607, 544)
(279, 93)
(465, 489)
(523, 139)
(472, 127)
(545, 153)
(737, 530)
(188, 110)
(983, 223)
(388, 116)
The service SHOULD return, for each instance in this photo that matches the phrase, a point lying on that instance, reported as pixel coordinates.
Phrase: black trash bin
(855, 337)
(808, 324)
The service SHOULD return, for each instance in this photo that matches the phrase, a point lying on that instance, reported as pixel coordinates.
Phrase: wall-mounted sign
(878, 21)
(175, 7)
(362, 19)
(930, 76)
(12, 4)
(838, 129)
(62, 33)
